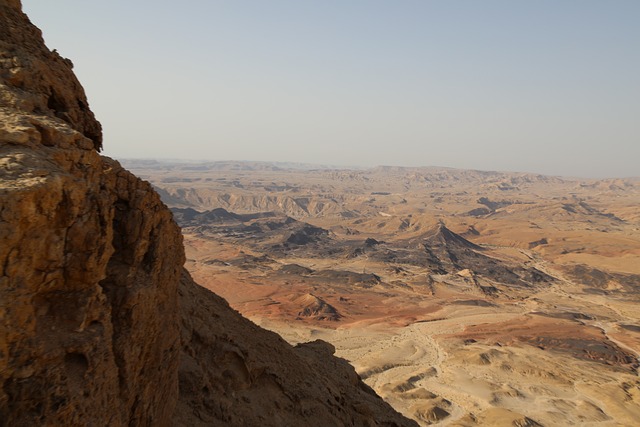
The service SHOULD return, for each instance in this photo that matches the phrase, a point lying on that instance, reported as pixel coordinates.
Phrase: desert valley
(461, 297)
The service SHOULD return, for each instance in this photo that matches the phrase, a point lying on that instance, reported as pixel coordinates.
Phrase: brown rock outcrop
(37, 80)
(89, 264)
(88, 311)
(91, 283)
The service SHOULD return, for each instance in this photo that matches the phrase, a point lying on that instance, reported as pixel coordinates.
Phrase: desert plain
(461, 297)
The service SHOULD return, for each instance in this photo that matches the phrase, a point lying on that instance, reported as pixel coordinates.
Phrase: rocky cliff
(99, 322)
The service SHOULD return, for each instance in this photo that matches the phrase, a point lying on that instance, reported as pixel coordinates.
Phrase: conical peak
(443, 235)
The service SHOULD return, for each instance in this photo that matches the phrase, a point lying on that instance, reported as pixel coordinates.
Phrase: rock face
(99, 322)
(40, 81)
(90, 258)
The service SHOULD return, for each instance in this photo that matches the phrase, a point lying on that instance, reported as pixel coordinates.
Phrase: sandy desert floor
(461, 297)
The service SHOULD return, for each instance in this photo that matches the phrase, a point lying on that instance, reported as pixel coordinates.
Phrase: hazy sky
(540, 86)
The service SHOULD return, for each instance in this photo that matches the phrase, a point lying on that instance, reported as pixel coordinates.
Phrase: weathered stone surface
(91, 332)
(89, 263)
(38, 80)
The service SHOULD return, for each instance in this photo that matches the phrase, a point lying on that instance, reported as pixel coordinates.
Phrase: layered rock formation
(99, 322)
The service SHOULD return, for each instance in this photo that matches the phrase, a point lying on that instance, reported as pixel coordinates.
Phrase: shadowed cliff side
(235, 373)
(99, 322)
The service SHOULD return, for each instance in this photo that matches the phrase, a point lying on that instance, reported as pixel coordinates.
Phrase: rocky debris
(94, 329)
(603, 351)
(558, 334)
(235, 373)
(597, 280)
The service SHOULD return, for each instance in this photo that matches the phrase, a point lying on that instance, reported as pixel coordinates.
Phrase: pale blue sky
(547, 86)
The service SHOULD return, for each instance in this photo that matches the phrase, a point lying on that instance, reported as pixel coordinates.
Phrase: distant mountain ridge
(254, 165)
